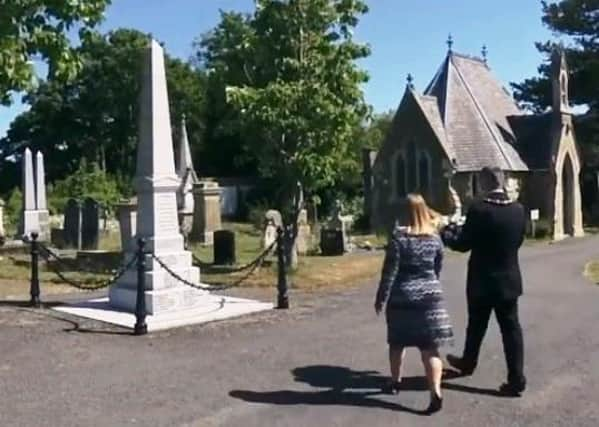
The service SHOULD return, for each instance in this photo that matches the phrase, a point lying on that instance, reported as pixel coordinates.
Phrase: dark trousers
(506, 313)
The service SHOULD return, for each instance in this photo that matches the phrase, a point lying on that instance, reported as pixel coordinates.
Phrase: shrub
(13, 208)
(87, 181)
(256, 213)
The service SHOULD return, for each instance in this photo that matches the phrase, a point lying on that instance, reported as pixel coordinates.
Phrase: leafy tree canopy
(33, 29)
(291, 77)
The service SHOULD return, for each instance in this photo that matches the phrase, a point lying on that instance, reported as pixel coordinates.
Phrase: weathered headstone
(188, 177)
(304, 233)
(30, 218)
(332, 242)
(127, 216)
(343, 223)
(157, 183)
(90, 225)
(206, 217)
(34, 216)
(72, 224)
(40, 197)
(224, 247)
(272, 222)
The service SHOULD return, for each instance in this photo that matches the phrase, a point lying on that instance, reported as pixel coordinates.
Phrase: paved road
(316, 365)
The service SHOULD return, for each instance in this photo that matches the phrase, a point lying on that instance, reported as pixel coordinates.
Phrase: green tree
(291, 74)
(292, 77)
(30, 29)
(87, 181)
(94, 117)
(224, 53)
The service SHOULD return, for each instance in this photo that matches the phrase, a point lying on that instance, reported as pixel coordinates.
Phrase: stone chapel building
(466, 120)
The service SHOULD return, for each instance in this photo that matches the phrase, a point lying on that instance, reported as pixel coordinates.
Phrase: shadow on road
(43, 311)
(343, 386)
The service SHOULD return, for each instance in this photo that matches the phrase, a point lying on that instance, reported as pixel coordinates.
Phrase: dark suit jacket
(493, 232)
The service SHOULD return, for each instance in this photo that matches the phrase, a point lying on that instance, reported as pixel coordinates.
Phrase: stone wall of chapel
(409, 127)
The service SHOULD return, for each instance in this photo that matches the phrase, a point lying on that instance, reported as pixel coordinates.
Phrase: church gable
(413, 152)
(475, 108)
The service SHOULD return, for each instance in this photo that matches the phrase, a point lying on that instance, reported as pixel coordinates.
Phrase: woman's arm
(390, 269)
(461, 239)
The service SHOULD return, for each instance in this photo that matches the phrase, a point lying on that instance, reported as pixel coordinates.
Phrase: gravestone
(90, 225)
(332, 242)
(40, 197)
(34, 216)
(343, 223)
(127, 216)
(29, 219)
(156, 183)
(188, 177)
(206, 215)
(72, 225)
(304, 233)
(224, 247)
(272, 221)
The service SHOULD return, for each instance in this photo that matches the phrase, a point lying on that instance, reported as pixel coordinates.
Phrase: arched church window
(424, 170)
(400, 176)
(413, 165)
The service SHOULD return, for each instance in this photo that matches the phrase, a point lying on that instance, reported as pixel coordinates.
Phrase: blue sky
(405, 36)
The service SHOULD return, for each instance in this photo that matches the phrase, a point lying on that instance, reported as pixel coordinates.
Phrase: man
(494, 231)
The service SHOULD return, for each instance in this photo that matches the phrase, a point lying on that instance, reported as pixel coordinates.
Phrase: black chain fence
(137, 263)
(251, 267)
(47, 254)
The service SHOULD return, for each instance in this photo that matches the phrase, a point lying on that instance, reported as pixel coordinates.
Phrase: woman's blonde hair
(423, 220)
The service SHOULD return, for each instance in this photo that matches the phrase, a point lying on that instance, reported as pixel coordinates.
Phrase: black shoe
(391, 387)
(512, 390)
(436, 404)
(459, 364)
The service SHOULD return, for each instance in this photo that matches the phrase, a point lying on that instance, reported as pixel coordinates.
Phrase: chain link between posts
(250, 267)
(48, 254)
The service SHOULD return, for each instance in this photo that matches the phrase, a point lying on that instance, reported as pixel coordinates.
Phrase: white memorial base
(211, 308)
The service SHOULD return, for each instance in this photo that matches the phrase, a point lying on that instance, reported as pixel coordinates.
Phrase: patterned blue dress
(416, 312)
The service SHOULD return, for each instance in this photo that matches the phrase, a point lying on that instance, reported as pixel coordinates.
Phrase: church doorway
(568, 195)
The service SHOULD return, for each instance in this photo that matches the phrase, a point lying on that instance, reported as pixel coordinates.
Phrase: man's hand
(378, 307)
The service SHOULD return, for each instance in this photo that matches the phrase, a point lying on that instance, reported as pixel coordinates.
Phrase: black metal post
(35, 279)
(282, 287)
(140, 307)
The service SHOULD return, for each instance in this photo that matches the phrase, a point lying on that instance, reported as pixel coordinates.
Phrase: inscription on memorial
(164, 302)
(167, 213)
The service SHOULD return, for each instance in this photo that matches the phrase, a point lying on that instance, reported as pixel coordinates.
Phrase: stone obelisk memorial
(157, 183)
(169, 302)
(35, 216)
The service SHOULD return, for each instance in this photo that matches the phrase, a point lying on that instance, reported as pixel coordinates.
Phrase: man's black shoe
(459, 364)
(511, 390)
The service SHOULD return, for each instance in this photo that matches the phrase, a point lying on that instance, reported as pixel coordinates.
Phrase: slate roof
(477, 114)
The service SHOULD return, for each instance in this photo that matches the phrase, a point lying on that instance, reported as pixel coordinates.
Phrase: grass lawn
(314, 272)
(591, 271)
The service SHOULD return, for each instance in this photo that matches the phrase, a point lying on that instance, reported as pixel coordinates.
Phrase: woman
(410, 287)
